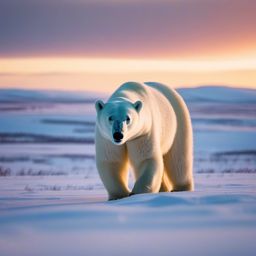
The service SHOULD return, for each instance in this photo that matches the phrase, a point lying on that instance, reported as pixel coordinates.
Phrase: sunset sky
(98, 44)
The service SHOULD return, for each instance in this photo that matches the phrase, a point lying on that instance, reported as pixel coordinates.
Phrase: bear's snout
(118, 136)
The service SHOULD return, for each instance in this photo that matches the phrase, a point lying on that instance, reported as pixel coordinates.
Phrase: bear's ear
(99, 105)
(138, 105)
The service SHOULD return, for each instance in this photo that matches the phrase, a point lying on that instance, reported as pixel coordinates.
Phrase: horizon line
(86, 90)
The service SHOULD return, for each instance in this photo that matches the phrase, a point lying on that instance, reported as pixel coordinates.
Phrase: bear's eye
(110, 119)
(128, 119)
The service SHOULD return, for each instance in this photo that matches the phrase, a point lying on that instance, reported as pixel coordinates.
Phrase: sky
(98, 44)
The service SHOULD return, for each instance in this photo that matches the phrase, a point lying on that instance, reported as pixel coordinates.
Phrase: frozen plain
(52, 201)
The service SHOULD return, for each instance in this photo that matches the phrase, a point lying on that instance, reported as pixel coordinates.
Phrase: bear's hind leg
(165, 185)
(179, 170)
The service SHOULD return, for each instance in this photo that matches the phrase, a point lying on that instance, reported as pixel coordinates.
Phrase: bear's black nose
(118, 136)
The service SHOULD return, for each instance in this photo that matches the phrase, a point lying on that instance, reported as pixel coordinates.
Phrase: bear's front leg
(149, 173)
(112, 165)
(114, 177)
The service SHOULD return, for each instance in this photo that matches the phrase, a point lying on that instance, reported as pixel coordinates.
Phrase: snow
(52, 201)
(218, 218)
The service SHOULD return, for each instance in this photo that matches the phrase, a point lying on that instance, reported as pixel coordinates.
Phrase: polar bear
(146, 126)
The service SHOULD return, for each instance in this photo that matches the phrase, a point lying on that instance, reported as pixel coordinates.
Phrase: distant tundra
(148, 126)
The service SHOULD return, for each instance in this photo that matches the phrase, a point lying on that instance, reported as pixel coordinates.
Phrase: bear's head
(118, 120)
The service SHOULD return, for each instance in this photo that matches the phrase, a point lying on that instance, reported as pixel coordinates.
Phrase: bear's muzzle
(118, 136)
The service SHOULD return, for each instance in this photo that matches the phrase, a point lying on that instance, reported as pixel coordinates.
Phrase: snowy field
(52, 201)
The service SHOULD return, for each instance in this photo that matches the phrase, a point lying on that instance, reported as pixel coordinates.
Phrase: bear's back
(130, 90)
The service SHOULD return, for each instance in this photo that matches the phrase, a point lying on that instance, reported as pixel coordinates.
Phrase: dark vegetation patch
(236, 153)
(5, 171)
(3, 109)
(239, 170)
(68, 122)
(44, 158)
(230, 170)
(12, 159)
(29, 172)
(84, 130)
(73, 156)
(40, 138)
(59, 188)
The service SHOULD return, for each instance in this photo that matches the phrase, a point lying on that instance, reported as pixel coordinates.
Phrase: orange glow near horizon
(97, 45)
(104, 74)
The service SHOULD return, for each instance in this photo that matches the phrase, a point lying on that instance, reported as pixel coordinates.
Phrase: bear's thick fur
(147, 126)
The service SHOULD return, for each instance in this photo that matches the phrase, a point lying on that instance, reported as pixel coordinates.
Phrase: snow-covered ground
(52, 201)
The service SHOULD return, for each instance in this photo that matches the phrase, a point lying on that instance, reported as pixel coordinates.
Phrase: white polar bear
(147, 125)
